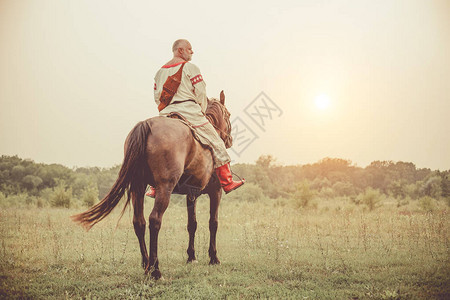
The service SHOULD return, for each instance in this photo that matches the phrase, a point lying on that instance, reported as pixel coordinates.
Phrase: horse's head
(219, 116)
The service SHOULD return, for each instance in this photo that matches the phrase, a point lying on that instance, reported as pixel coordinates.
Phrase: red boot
(226, 179)
(151, 192)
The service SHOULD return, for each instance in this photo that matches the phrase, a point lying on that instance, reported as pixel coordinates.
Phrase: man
(190, 101)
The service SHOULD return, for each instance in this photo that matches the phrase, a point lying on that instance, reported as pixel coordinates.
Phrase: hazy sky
(77, 75)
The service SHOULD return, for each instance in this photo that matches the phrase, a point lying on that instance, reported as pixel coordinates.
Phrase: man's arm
(199, 86)
(156, 91)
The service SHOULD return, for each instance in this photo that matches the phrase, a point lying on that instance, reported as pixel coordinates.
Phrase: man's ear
(222, 97)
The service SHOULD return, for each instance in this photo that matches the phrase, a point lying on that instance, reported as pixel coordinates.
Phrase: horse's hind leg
(214, 199)
(191, 226)
(139, 226)
(162, 199)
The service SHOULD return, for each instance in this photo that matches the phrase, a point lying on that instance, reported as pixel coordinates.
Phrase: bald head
(179, 43)
(182, 48)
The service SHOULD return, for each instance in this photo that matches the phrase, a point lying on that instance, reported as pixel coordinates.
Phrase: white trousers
(206, 134)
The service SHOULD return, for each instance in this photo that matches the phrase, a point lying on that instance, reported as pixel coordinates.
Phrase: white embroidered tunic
(192, 86)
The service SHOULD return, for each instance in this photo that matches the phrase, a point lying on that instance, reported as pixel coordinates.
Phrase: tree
(18, 172)
(432, 186)
(445, 185)
(265, 161)
(397, 188)
(32, 182)
(378, 172)
(52, 174)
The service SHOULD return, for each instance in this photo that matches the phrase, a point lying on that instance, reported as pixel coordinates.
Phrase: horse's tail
(130, 180)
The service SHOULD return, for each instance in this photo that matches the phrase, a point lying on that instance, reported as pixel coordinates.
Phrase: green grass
(268, 249)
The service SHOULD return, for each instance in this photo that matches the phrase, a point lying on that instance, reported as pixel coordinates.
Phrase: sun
(322, 101)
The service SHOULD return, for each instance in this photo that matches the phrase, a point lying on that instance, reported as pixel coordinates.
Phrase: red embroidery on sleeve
(196, 79)
(155, 87)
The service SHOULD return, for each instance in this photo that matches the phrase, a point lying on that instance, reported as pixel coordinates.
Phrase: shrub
(40, 202)
(427, 204)
(343, 188)
(303, 194)
(403, 201)
(327, 193)
(413, 190)
(61, 196)
(90, 195)
(371, 198)
(17, 200)
(248, 192)
(2, 199)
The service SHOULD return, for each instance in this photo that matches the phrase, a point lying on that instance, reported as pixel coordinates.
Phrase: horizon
(274, 163)
(358, 80)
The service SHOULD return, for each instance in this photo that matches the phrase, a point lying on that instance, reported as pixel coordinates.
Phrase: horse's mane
(214, 106)
(218, 115)
(214, 110)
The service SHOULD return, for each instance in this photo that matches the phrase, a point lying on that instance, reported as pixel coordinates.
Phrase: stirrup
(233, 185)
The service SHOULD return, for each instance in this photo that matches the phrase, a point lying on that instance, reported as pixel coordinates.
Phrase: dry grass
(268, 249)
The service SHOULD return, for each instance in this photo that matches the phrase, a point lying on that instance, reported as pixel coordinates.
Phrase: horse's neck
(211, 119)
(213, 115)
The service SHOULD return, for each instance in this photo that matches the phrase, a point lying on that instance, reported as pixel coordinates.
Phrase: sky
(304, 80)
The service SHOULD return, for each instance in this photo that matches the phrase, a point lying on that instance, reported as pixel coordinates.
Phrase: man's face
(186, 51)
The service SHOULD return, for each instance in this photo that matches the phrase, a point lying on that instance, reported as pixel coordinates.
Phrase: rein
(217, 128)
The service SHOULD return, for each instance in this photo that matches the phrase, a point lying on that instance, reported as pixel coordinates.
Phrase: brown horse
(162, 152)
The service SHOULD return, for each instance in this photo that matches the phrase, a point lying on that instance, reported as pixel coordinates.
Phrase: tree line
(339, 178)
(22, 181)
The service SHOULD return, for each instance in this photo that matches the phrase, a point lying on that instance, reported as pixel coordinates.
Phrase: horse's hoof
(156, 274)
(214, 261)
(191, 259)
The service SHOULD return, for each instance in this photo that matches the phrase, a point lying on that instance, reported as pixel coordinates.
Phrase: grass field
(268, 249)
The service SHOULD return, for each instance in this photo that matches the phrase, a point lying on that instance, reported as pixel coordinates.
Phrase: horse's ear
(222, 98)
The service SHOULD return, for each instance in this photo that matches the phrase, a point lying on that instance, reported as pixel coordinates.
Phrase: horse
(162, 152)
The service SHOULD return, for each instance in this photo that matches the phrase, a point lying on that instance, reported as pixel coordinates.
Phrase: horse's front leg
(139, 225)
(214, 198)
(191, 203)
(162, 199)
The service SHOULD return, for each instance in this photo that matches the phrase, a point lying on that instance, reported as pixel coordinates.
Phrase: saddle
(175, 115)
(182, 119)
